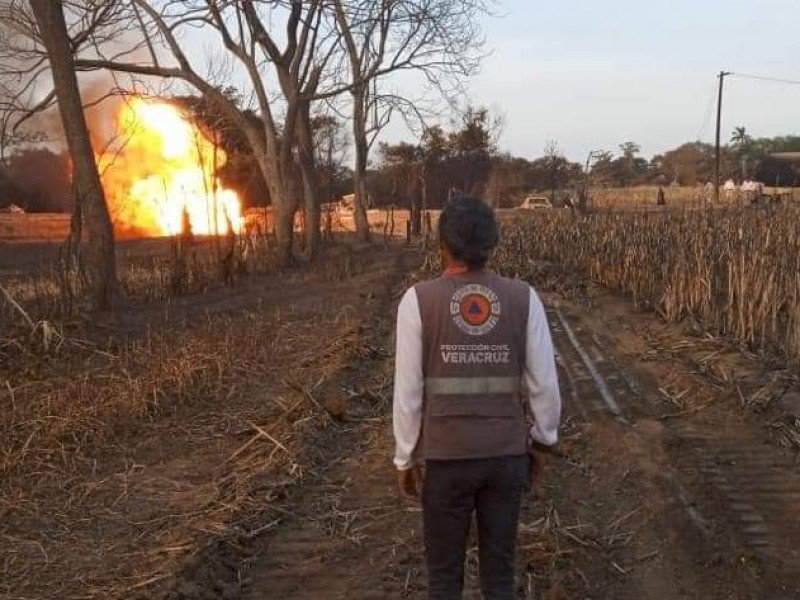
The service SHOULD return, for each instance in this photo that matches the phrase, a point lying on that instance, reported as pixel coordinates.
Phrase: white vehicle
(536, 203)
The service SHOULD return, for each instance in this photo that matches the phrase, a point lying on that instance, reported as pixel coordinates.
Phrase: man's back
(465, 344)
(473, 326)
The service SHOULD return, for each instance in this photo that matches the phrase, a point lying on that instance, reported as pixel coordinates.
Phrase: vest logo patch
(475, 309)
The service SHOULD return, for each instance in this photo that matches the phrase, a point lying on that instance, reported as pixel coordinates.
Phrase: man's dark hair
(468, 229)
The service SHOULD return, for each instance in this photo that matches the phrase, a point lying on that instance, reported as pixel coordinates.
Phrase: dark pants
(492, 488)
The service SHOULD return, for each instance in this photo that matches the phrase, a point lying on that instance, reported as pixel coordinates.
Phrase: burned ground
(236, 444)
(124, 459)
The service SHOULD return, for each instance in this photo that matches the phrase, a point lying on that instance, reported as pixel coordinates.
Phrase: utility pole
(718, 155)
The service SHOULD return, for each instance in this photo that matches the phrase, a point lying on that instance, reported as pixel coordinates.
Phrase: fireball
(160, 170)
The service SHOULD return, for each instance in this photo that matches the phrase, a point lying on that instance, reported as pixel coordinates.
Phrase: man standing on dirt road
(467, 342)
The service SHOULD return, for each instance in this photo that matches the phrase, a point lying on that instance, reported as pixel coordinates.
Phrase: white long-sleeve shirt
(539, 375)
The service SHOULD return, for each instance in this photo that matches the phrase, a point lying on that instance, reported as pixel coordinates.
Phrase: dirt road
(672, 488)
(669, 487)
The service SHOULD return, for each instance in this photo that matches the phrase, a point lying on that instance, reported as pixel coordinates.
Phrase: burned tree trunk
(282, 194)
(308, 170)
(99, 260)
(311, 205)
(362, 154)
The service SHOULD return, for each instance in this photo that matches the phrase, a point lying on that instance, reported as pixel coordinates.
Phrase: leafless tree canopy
(95, 29)
(292, 54)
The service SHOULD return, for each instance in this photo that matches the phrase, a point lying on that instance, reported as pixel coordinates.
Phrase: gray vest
(474, 330)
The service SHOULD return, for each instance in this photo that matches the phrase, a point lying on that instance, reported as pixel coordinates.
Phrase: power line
(722, 75)
(709, 109)
(747, 76)
(765, 78)
(717, 147)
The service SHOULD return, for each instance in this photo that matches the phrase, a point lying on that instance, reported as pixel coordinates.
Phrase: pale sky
(592, 74)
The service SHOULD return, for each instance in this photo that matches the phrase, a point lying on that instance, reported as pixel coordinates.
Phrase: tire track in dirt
(738, 493)
(619, 551)
(760, 491)
(348, 535)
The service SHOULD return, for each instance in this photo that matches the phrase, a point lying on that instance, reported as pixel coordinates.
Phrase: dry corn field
(675, 196)
(733, 272)
(645, 195)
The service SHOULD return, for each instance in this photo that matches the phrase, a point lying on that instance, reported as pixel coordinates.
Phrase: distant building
(781, 169)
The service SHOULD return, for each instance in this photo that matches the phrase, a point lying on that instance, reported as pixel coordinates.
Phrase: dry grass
(242, 387)
(54, 427)
(731, 272)
(34, 271)
(47, 226)
(70, 391)
(148, 270)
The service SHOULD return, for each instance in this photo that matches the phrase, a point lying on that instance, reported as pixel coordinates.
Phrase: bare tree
(325, 48)
(299, 66)
(250, 43)
(331, 142)
(440, 39)
(161, 28)
(554, 158)
(46, 27)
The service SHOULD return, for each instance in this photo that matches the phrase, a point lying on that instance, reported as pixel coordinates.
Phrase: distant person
(465, 344)
(749, 191)
(730, 190)
(187, 233)
(758, 189)
(708, 193)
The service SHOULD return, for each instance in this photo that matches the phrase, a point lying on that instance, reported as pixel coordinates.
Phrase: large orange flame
(161, 170)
